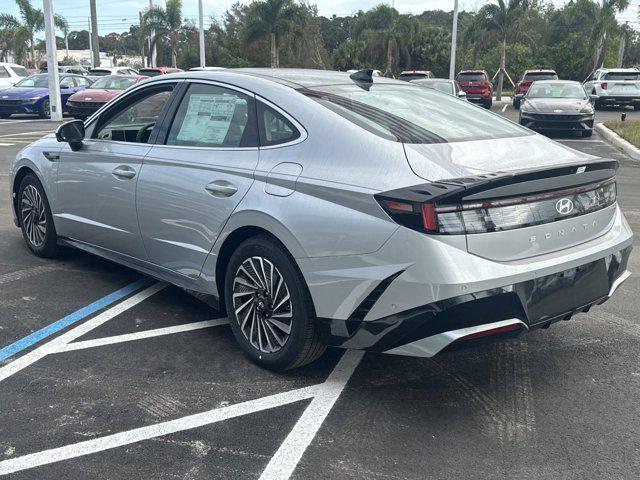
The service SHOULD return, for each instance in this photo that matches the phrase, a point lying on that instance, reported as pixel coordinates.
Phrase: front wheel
(35, 217)
(44, 111)
(269, 306)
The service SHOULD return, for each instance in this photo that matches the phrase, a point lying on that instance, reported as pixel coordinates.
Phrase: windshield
(34, 81)
(113, 82)
(413, 114)
(471, 77)
(622, 76)
(557, 90)
(533, 76)
(441, 85)
(151, 72)
(20, 71)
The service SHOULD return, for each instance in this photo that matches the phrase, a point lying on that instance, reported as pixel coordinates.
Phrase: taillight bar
(499, 214)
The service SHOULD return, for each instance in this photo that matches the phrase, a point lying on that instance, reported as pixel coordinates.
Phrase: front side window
(82, 82)
(212, 116)
(413, 114)
(134, 121)
(67, 82)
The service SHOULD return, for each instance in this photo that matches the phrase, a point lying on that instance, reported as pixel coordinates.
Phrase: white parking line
(128, 337)
(282, 464)
(37, 132)
(285, 460)
(40, 352)
(505, 107)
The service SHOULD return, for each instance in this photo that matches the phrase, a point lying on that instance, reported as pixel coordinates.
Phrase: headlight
(34, 98)
(587, 109)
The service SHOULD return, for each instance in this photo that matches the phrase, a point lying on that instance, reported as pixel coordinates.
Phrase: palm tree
(504, 20)
(164, 22)
(605, 21)
(24, 29)
(384, 29)
(274, 18)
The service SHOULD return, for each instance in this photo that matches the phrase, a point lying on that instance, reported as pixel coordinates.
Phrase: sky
(117, 15)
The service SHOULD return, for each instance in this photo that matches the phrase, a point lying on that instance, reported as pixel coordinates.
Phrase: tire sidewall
(45, 109)
(300, 302)
(48, 247)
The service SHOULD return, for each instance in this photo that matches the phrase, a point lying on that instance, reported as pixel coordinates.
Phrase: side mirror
(462, 94)
(593, 98)
(71, 133)
(520, 96)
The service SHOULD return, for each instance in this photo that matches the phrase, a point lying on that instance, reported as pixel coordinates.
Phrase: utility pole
(623, 40)
(454, 39)
(55, 102)
(95, 47)
(152, 43)
(143, 56)
(90, 46)
(201, 15)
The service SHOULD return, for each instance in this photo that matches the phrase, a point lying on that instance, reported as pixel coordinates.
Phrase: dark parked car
(528, 78)
(557, 105)
(477, 85)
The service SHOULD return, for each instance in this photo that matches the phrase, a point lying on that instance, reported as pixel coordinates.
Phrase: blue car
(31, 95)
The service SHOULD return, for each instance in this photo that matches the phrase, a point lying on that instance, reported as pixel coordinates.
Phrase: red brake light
(398, 206)
(603, 85)
(429, 219)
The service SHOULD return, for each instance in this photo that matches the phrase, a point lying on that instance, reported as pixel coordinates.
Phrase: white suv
(10, 74)
(615, 86)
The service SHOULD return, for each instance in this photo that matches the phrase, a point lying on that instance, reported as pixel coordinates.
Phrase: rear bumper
(472, 97)
(501, 312)
(619, 99)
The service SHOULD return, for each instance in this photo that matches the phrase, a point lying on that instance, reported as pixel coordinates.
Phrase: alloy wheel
(262, 304)
(33, 213)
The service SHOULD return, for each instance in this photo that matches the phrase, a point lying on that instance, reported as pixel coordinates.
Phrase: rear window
(20, 71)
(622, 76)
(533, 76)
(413, 114)
(149, 72)
(411, 76)
(471, 77)
(97, 72)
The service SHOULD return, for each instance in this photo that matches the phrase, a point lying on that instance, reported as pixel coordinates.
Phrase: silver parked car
(615, 86)
(450, 87)
(323, 208)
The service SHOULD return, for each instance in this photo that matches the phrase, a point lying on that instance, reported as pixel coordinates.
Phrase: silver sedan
(324, 208)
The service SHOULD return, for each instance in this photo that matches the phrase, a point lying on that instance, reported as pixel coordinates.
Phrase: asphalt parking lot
(145, 381)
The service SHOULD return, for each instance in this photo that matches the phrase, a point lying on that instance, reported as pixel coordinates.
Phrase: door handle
(123, 171)
(221, 188)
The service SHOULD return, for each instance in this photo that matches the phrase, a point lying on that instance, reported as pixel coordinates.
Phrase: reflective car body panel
(172, 209)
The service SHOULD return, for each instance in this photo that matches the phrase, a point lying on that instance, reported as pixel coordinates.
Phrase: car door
(190, 185)
(97, 184)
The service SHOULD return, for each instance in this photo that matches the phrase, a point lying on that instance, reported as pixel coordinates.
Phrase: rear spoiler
(506, 184)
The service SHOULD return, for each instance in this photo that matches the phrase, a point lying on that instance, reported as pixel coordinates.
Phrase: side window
(212, 116)
(81, 82)
(67, 82)
(274, 128)
(4, 73)
(134, 120)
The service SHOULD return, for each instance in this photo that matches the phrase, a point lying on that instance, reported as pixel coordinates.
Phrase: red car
(413, 74)
(528, 78)
(86, 102)
(477, 85)
(155, 71)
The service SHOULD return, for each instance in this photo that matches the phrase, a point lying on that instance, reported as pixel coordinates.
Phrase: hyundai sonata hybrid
(324, 208)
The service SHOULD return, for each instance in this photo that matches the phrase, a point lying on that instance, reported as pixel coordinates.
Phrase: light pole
(94, 34)
(201, 33)
(152, 43)
(454, 38)
(55, 102)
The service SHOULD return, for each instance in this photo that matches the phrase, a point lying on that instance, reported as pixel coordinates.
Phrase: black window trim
(123, 102)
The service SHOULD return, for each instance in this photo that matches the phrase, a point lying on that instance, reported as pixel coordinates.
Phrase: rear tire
(272, 315)
(36, 221)
(516, 104)
(587, 133)
(488, 104)
(636, 106)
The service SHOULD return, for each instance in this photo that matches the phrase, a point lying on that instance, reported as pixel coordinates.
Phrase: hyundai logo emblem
(564, 206)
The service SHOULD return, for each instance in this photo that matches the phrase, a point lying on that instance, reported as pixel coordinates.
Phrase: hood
(95, 95)
(440, 161)
(23, 92)
(555, 105)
